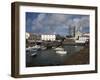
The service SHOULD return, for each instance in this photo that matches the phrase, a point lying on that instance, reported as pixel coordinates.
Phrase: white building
(48, 37)
(78, 34)
(27, 35)
(83, 38)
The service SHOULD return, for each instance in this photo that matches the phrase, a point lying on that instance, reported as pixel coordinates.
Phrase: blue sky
(55, 23)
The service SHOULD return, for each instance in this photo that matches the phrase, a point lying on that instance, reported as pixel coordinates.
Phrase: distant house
(82, 38)
(34, 36)
(78, 34)
(48, 37)
(86, 34)
(27, 35)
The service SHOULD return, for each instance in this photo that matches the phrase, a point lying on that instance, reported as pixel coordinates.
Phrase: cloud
(49, 22)
(81, 23)
(52, 23)
(85, 21)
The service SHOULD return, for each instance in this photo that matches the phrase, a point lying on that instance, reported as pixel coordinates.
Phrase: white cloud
(52, 21)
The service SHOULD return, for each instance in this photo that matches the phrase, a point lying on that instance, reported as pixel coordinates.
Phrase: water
(49, 57)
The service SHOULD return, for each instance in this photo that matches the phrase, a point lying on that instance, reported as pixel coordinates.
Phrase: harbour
(56, 56)
(55, 48)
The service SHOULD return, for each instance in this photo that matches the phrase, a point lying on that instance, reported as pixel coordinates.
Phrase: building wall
(77, 34)
(27, 35)
(48, 37)
(83, 38)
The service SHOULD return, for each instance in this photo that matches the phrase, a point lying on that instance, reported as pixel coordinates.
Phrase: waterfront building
(82, 38)
(27, 35)
(78, 34)
(48, 37)
(34, 36)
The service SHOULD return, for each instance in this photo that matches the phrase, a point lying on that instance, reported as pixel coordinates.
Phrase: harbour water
(49, 57)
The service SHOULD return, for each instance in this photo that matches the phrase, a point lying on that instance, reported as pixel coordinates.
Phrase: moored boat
(61, 52)
(58, 48)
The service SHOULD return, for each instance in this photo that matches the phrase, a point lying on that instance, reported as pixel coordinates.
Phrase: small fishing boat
(34, 53)
(28, 49)
(61, 52)
(36, 47)
(58, 48)
(43, 48)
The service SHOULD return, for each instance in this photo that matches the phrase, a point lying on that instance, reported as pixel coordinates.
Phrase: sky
(56, 23)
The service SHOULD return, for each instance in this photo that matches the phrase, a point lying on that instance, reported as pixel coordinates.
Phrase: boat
(28, 49)
(43, 48)
(36, 47)
(75, 46)
(58, 48)
(33, 53)
(61, 52)
(32, 48)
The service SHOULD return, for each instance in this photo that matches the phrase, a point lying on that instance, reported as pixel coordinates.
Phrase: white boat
(32, 48)
(28, 49)
(58, 48)
(33, 54)
(75, 46)
(32, 51)
(43, 48)
(36, 46)
(61, 52)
